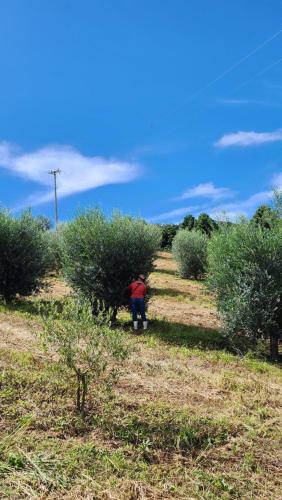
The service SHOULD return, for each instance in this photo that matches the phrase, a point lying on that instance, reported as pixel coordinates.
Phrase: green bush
(87, 346)
(205, 224)
(54, 239)
(190, 251)
(245, 271)
(23, 255)
(43, 222)
(264, 216)
(189, 222)
(101, 256)
(168, 232)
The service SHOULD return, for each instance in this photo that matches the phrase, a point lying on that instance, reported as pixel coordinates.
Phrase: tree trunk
(84, 392)
(274, 343)
(78, 391)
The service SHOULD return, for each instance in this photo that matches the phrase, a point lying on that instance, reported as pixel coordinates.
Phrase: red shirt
(137, 290)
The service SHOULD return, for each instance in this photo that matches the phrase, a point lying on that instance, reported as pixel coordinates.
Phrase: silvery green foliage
(87, 346)
(101, 256)
(54, 240)
(24, 255)
(245, 272)
(190, 251)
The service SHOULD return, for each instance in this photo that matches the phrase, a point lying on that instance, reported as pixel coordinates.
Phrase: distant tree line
(263, 217)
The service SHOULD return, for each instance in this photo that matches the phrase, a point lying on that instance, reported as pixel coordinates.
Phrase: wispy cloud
(241, 207)
(230, 210)
(207, 190)
(249, 205)
(79, 172)
(173, 214)
(235, 102)
(246, 102)
(276, 182)
(245, 139)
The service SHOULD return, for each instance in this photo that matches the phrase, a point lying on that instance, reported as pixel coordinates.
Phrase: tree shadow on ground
(171, 272)
(30, 305)
(171, 292)
(197, 337)
(181, 335)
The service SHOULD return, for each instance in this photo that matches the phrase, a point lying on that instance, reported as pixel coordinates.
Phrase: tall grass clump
(101, 256)
(245, 272)
(190, 251)
(24, 257)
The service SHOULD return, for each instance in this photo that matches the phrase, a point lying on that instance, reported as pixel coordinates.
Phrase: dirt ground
(162, 372)
(173, 299)
(180, 300)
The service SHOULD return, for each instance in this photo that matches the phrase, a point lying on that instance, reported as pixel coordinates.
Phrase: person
(137, 292)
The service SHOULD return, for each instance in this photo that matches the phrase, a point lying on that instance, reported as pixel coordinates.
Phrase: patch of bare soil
(189, 314)
(178, 300)
(14, 334)
(56, 288)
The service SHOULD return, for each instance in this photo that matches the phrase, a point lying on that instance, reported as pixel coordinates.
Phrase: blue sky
(133, 102)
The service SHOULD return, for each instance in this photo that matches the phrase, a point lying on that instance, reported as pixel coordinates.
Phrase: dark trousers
(138, 306)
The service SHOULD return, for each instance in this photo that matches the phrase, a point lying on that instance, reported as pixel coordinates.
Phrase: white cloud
(79, 172)
(223, 211)
(207, 190)
(243, 207)
(173, 214)
(245, 139)
(228, 210)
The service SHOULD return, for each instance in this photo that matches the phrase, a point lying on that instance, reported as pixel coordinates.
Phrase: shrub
(23, 255)
(245, 271)
(264, 216)
(168, 232)
(190, 252)
(54, 239)
(189, 222)
(205, 224)
(43, 222)
(101, 257)
(87, 346)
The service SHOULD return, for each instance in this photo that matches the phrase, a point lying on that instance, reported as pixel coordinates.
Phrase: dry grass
(179, 300)
(189, 419)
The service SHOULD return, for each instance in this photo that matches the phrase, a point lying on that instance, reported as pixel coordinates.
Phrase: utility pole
(54, 173)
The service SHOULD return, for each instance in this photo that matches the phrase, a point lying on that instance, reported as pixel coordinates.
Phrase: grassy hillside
(188, 419)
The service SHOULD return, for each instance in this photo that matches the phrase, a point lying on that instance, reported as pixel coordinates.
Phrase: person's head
(142, 277)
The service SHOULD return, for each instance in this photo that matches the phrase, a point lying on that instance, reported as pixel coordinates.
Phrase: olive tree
(168, 232)
(206, 224)
(190, 252)
(86, 346)
(264, 216)
(24, 257)
(245, 272)
(101, 256)
(54, 241)
(189, 222)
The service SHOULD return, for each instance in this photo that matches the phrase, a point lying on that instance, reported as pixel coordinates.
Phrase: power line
(223, 74)
(261, 72)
